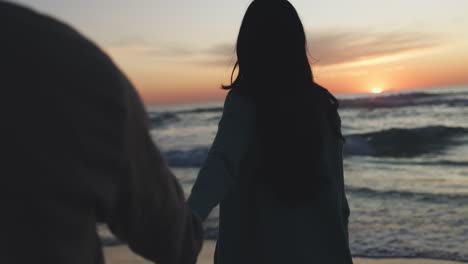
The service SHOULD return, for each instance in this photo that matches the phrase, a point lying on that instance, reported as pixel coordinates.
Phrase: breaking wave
(402, 100)
(395, 142)
(400, 142)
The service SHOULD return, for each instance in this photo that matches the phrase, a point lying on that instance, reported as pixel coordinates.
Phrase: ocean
(406, 167)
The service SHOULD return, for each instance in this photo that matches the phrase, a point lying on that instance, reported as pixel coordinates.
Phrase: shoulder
(329, 102)
(236, 101)
(52, 38)
(60, 55)
(23, 20)
(239, 106)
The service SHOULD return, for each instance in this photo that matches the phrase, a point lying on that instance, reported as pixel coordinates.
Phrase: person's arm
(219, 172)
(346, 213)
(150, 212)
(345, 206)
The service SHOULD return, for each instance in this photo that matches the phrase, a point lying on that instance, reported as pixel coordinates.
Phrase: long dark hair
(273, 69)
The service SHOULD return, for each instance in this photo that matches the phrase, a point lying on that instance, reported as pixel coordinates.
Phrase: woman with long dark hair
(275, 166)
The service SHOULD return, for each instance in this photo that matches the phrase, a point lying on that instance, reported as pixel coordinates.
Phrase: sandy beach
(122, 255)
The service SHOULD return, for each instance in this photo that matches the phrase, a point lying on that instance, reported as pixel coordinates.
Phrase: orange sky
(182, 51)
(351, 68)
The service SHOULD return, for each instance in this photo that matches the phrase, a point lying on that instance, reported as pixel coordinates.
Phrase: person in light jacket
(275, 166)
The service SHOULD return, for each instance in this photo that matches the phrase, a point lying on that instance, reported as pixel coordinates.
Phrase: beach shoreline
(122, 255)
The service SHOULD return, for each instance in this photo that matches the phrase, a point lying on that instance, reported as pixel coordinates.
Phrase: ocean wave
(401, 142)
(379, 101)
(186, 158)
(201, 110)
(395, 142)
(408, 252)
(438, 198)
(442, 162)
(402, 100)
(165, 118)
(159, 119)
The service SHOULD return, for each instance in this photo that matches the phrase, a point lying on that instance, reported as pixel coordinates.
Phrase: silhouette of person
(76, 151)
(275, 166)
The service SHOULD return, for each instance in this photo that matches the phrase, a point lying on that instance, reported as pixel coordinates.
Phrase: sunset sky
(179, 51)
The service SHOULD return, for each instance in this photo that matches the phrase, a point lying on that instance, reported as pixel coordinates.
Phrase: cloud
(140, 47)
(221, 55)
(152, 51)
(326, 47)
(214, 62)
(222, 50)
(332, 47)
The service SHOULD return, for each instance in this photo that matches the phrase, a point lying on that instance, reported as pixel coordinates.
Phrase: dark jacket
(254, 226)
(76, 151)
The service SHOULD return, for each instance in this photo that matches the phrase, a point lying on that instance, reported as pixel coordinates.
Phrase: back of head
(271, 46)
(275, 71)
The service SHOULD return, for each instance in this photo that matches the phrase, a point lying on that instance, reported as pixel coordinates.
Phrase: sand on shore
(122, 255)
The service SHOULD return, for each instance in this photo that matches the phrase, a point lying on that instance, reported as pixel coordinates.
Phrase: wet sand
(122, 255)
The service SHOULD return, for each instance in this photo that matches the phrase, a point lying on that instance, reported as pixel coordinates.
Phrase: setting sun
(377, 90)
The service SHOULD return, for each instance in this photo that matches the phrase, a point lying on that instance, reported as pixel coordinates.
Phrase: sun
(377, 90)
